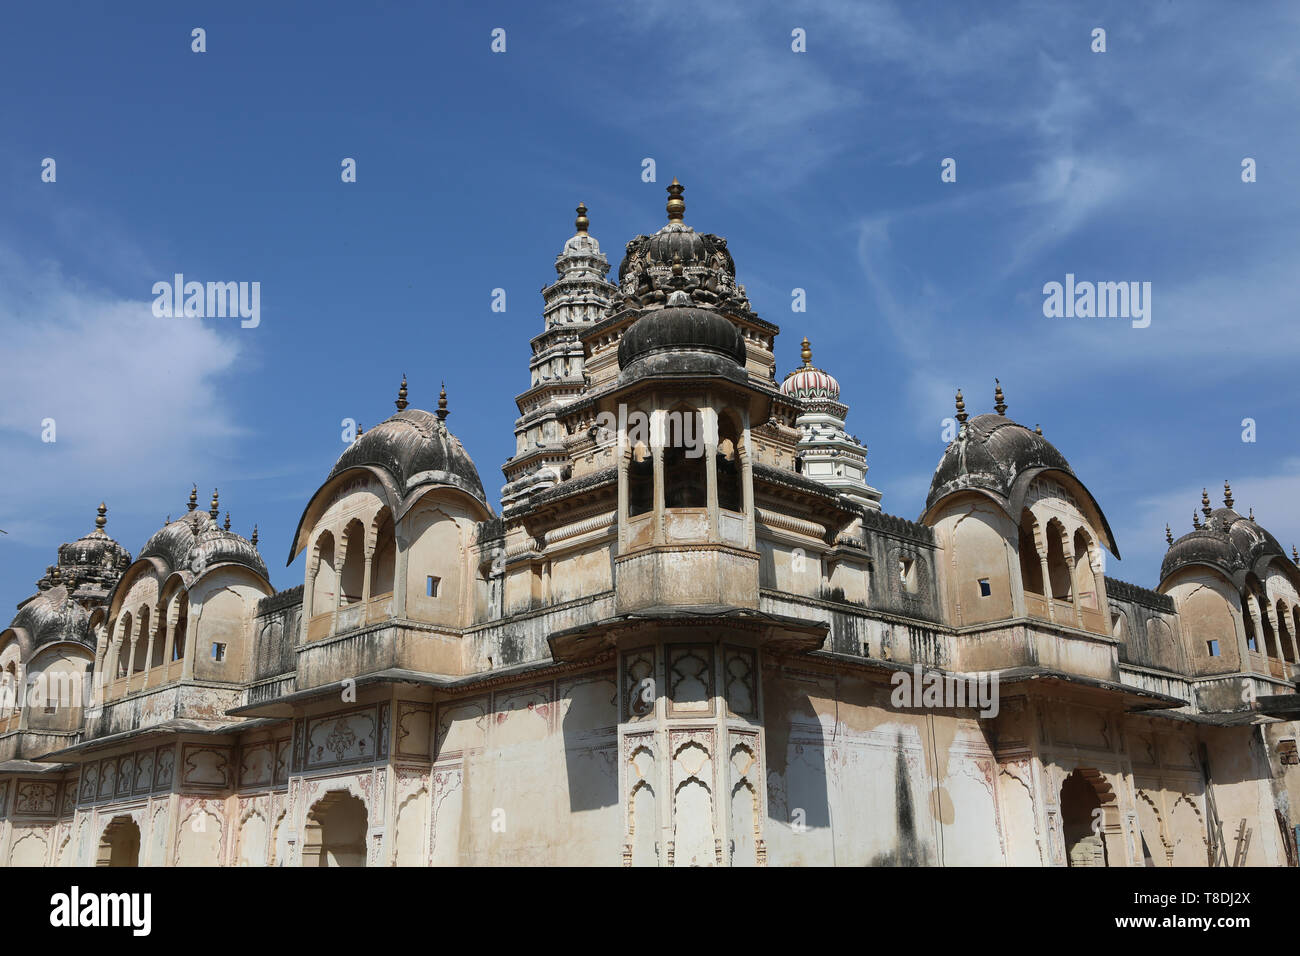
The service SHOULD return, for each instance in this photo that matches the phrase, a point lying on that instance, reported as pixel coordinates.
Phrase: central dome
(681, 329)
(990, 452)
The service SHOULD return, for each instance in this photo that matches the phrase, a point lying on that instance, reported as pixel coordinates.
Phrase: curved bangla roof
(410, 451)
(195, 541)
(50, 617)
(1226, 542)
(999, 457)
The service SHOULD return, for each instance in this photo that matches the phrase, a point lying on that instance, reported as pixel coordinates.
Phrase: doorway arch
(335, 834)
(120, 843)
(1089, 815)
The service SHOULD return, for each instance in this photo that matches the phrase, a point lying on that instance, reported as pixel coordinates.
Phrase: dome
(810, 384)
(415, 448)
(679, 259)
(195, 542)
(89, 566)
(990, 453)
(1226, 541)
(677, 329)
(53, 616)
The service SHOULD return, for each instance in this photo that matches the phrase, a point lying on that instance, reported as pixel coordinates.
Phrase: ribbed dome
(1227, 541)
(195, 542)
(416, 448)
(681, 329)
(809, 383)
(989, 453)
(53, 616)
(89, 566)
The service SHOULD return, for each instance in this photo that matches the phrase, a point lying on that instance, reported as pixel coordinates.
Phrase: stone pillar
(169, 649)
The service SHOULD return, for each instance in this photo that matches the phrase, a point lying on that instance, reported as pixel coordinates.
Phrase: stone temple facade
(690, 636)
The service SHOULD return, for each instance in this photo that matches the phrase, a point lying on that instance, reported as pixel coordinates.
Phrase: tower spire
(676, 205)
(1196, 520)
(1169, 535)
(805, 353)
(194, 499)
(961, 408)
(1227, 494)
(582, 222)
(1205, 503)
(101, 518)
(215, 508)
(999, 400)
(253, 539)
(442, 403)
(401, 402)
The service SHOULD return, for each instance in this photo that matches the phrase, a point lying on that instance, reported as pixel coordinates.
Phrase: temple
(687, 635)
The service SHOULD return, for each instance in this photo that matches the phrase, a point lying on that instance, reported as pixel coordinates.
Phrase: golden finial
(1196, 520)
(227, 525)
(676, 205)
(1227, 494)
(582, 222)
(194, 499)
(961, 408)
(1038, 430)
(101, 518)
(401, 402)
(1205, 503)
(999, 400)
(253, 539)
(805, 353)
(1169, 535)
(442, 403)
(215, 508)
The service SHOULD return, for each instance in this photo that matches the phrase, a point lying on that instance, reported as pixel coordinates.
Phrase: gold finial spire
(227, 525)
(676, 205)
(1196, 520)
(1169, 535)
(253, 539)
(999, 400)
(215, 508)
(582, 222)
(442, 403)
(194, 499)
(401, 402)
(101, 518)
(961, 408)
(1227, 494)
(1038, 430)
(1205, 503)
(805, 353)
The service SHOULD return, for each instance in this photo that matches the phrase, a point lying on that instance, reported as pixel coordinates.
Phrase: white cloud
(134, 399)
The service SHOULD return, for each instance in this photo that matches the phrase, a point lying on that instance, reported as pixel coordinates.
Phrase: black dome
(681, 329)
(416, 448)
(989, 453)
(1227, 541)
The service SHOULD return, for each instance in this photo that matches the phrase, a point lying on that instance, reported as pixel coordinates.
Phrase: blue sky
(822, 168)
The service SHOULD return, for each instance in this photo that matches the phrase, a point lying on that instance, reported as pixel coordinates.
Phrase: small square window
(218, 652)
(1212, 647)
(50, 708)
(1287, 751)
(431, 586)
(985, 590)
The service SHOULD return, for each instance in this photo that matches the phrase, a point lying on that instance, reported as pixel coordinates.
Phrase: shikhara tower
(674, 646)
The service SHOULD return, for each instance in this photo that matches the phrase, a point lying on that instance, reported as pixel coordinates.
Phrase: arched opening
(352, 574)
(685, 464)
(1248, 620)
(727, 459)
(182, 626)
(159, 641)
(1031, 566)
(120, 844)
(1084, 575)
(1082, 823)
(1285, 635)
(335, 834)
(640, 481)
(1058, 568)
(1270, 639)
(326, 581)
(124, 644)
(384, 562)
(141, 659)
